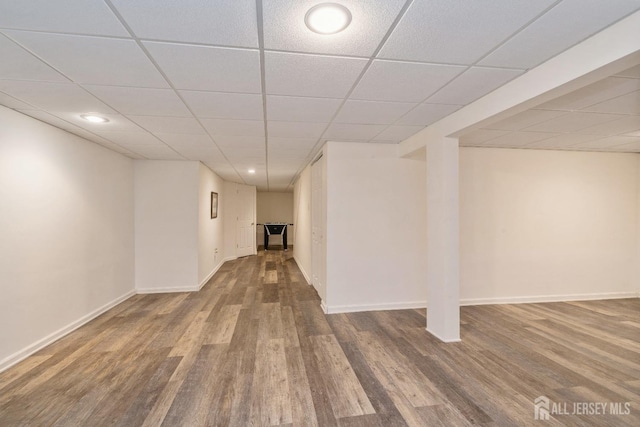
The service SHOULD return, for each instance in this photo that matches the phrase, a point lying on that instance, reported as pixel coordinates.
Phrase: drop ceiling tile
(285, 29)
(16, 104)
(607, 143)
(295, 129)
(155, 124)
(311, 75)
(18, 63)
(67, 16)
(397, 133)
(571, 122)
(54, 96)
(633, 72)
(226, 142)
(219, 105)
(352, 132)
(278, 157)
(625, 104)
(208, 68)
(130, 139)
(48, 118)
(480, 136)
(563, 141)
(372, 112)
(157, 153)
(518, 139)
(624, 124)
(630, 147)
(472, 84)
(93, 60)
(525, 119)
(600, 91)
(223, 22)
(116, 123)
(550, 34)
(426, 114)
(234, 127)
(292, 143)
(457, 32)
(185, 140)
(141, 101)
(403, 81)
(299, 109)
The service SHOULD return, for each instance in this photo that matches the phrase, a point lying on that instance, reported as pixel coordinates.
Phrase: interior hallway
(254, 348)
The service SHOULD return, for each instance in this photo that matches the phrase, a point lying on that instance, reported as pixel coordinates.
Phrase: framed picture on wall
(214, 205)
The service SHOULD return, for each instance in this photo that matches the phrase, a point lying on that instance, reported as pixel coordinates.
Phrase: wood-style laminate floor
(254, 348)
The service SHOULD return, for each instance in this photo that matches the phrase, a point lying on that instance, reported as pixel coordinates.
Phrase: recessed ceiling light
(94, 119)
(327, 18)
(251, 171)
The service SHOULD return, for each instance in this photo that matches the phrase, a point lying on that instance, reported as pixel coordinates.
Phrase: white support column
(443, 255)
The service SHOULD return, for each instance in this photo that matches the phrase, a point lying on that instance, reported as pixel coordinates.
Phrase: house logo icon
(541, 408)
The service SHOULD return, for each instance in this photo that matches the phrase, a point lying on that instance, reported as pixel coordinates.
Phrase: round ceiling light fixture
(327, 18)
(94, 119)
(251, 171)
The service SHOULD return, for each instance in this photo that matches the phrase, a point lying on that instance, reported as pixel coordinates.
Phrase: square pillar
(443, 240)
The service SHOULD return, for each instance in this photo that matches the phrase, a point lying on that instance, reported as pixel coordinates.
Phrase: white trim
(548, 298)
(442, 339)
(324, 307)
(304, 273)
(144, 291)
(214, 271)
(19, 356)
(229, 258)
(375, 307)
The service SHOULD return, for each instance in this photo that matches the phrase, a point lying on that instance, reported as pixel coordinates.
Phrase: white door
(318, 251)
(245, 227)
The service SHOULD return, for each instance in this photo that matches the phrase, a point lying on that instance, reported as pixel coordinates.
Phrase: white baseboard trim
(323, 307)
(449, 340)
(176, 289)
(304, 273)
(375, 307)
(229, 258)
(210, 275)
(548, 298)
(19, 356)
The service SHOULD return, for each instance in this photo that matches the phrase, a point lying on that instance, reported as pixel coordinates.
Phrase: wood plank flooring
(253, 348)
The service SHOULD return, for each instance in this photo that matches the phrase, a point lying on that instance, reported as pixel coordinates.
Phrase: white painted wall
(274, 207)
(166, 225)
(376, 235)
(302, 221)
(66, 227)
(210, 230)
(541, 225)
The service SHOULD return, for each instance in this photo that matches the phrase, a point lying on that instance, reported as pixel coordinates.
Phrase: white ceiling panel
(518, 139)
(229, 23)
(457, 32)
(564, 25)
(425, 114)
(572, 122)
(93, 60)
(285, 29)
(219, 105)
(187, 140)
(234, 127)
(624, 124)
(311, 75)
(412, 82)
(631, 72)
(141, 101)
(525, 119)
(157, 152)
(563, 141)
(472, 84)
(600, 91)
(131, 139)
(17, 63)
(66, 16)
(16, 104)
(45, 117)
(480, 136)
(208, 68)
(372, 112)
(244, 142)
(54, 96)
(295, 129)
(352, 132)
(300, 109)
(281, 157)
(116, 123)
(630, 147)
(397, 133)
(625, 104)
(155, 124)
(608, 142)
(292, 143)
